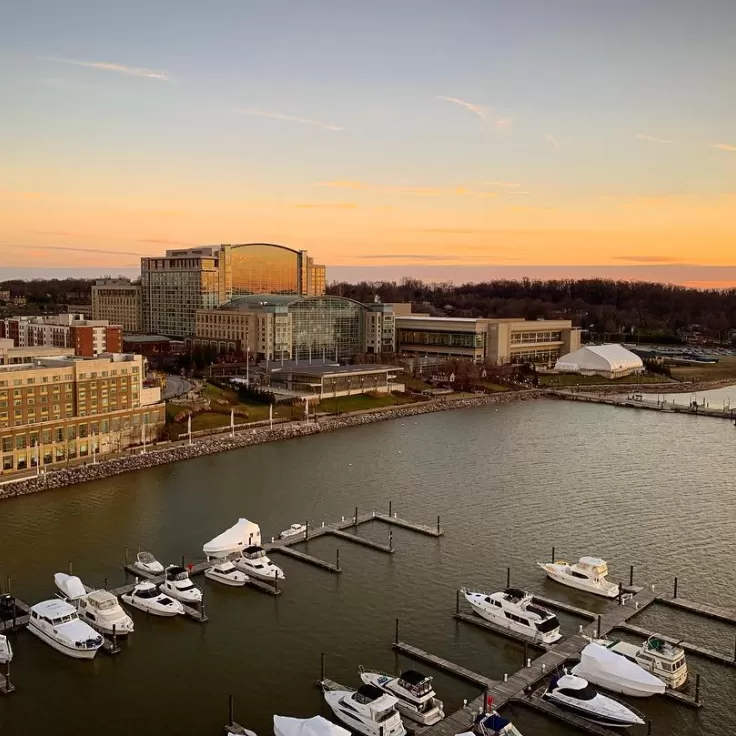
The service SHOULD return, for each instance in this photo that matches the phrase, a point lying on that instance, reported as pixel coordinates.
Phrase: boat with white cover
(575, 694)
(367, 710)
(147, 597)
(294, 530)
(492, 725)
(255, 562)
(226, 573)
(148, 563)
(239, 536)
(662, 659)
(179, 585)
(616, 673)
(56, 622)
(6, 651)
(588, 574)
(415, 695)
(514, 609)
(317, 726)
(99, 608)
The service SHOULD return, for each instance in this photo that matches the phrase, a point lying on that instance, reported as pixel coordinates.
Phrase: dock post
(306, 530)
(508, 577)
(105, 581)
(276, 581)
(439, 527)
(7, 582)
(674, 592)
(620, 593)
(126, 555)
(390, 508)
(553, 554)
(485, 701)
(396, 634)
(337, 558)
(201, 611)
(526, 655)
(230, 710)
(697, 687)
(322, 667)
(734, 649)
(7, 677)
(457, 606)
(631, 575)
(355, 520)
(70, 569)
(649, 728)
(599, 626)
(182, 561)
(391, 540)
(115, 636)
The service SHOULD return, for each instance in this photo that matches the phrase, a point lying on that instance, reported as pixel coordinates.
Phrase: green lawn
(413, 384)
(362, 401)
(724, 369)
(567, 379)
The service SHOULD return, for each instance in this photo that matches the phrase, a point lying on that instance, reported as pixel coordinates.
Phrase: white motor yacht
(226, 573)
(179, 585)
(235, 539)
(367, 710)
(492, 724)
(6, 651)
(148, 563)
(616, 673)
(56, 622)
(294, 530)
(98, 608)
(147, 597)
(317, 726)
(416, 698)
(588, 574)
(515, 610)
(254, 561)
(577, 695)
(662, 659)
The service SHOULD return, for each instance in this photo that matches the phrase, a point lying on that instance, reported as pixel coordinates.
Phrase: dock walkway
(481, 623)
(702, 609)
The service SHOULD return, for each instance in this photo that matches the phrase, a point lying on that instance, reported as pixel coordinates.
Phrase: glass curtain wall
(329, 327)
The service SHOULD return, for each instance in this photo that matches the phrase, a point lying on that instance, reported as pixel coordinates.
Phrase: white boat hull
(553, 573)
(164, 612)
(229, 579)
(191, 597)
(268, 577)
(405, 708)
(334, 698)
(504, 623)
(70, 651)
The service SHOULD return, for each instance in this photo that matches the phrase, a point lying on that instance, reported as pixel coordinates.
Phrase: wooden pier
(481, 623)
(701, 609)
(566, 607)
(387, 548)
(410, 525)
(303, 557)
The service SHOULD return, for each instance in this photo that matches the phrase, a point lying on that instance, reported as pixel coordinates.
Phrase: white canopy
(317, 726)
(243, 534)
(608, 359)
(70, 585)
(602, 666)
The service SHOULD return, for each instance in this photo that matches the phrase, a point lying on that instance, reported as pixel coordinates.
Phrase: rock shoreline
(245, 438)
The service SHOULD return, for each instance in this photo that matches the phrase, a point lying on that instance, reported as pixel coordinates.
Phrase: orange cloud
(724, 147)
(328, 205)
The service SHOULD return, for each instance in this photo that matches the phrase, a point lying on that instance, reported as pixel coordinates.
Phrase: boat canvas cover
(317, 726)
(6, 653)
(599, 664)
(70, 585)
(235, 538)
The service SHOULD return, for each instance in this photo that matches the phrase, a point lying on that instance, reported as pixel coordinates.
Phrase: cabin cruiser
(414, 694)
(317, 726)
(6, 651)
(367, 710)
(148, 563)
(575, 694)
(492, 725)
(235, 539)
(179, 585)
(588, 574)
(255, 562)
(514, 609)
(616, 673)
(226, 573)
(293, 531)
(56, 622)
(99, 608)
(147, 597)
(664, 660)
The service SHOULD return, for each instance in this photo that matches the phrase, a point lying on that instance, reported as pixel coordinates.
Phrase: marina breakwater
(245, 438)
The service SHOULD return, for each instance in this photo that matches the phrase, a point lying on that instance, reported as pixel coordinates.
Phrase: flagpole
(270, 415)
(189, 428)
(232, 422)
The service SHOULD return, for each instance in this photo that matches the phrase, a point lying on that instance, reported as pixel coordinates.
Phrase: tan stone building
(58, 409)
(11, 355)
(119, 302)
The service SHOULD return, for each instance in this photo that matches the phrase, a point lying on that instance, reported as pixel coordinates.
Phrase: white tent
(610, 361)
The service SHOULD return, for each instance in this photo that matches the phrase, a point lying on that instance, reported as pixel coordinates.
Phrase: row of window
(518, 338)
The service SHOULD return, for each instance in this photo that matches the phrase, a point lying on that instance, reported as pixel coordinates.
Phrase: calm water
(643, 488)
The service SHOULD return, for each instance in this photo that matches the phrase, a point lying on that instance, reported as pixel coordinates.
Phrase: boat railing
(329, 685)
(362, 669)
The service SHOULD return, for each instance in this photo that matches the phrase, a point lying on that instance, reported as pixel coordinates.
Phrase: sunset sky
(453, 140)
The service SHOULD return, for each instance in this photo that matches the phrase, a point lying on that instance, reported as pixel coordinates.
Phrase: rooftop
(146, 338)
(321, 369)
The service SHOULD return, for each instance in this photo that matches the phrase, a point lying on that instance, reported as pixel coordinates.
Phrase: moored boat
(56, 622)
(242, 534)
(6, 651)
(588, 574)
(148, 563)
(317, 726)
(226, 573)
(255, 562)
(492, 724)
(146, 596)
(367, 710)
(414, 693)
(178, 585)
(294, 530)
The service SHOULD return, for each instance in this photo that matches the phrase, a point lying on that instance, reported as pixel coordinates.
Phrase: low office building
(147, 345)
(119, 302)
(57, 409)
(86, 337)
(609, 361)
(498, 341)
(11, 355)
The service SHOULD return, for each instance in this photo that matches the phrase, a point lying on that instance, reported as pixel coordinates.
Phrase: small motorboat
(226, 573)
(98, 608)
(662, 659)
(178, 585)
(239, 536)
(588, 574)
(294, 530)
(577, 695)
(492, 724)
(414, 693)
(367, 710)
(317, 726)
(147, 597)
(616, 673)
(56, 622)
(148, 563)
(515, 610)
(6, 651)
(254, 561)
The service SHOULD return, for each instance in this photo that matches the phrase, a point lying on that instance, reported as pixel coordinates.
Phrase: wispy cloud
(552, 140)
(504, 184)
(408, 190)
(518, 191)
(164, 241)
(478, 110)
(328, 205)
(503, 122)
(93, 251)
(647, 259)
(343, 184)
(651, 139)
(724, 147)
(131, 71)
(291, 119)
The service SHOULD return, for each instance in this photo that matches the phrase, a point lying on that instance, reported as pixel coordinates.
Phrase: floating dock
(566, 607)
(387, 548)
(309, 559)
(6, 686)
(701, 609)
(481, 623)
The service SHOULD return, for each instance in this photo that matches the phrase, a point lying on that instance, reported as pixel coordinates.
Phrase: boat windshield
(549, 625)
(106, 604)
(186, 586)
(146, 593)
(64, 619)
(584, 693)
(418, 690)
(384, 715)
(146, 558)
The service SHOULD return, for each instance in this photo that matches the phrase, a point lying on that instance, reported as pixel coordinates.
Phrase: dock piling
(390, 508)
(70, 569)
(391, 539)
(649, 728)
(230, 710)
(508, 577)
(734, 649)
(553, 554)
(182, 560)
(355, 518)
(337, 558)
(322, 667)
(457, 607)
(7, 584)
(599, 626)
(105, 582)
(126, 555)
(439, 526)
(396, 634)
(674, 592)
(115, 636)
(697, 687)
(276, 581)
(306, 530)
(631, 575)
(526, 655)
